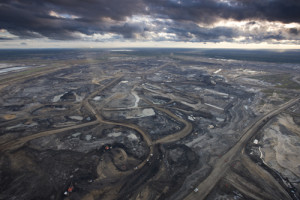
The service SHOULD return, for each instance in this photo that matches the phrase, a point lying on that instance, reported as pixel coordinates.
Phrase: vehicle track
(21, 141)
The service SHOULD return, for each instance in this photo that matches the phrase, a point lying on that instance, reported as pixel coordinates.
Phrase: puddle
(22, 125)
(114, 134)
(88, 137)
(79, 118)
(76, 134)
(57, 98)
(97, 98)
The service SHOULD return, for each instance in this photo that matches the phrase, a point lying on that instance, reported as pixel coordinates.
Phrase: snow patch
(97, 98)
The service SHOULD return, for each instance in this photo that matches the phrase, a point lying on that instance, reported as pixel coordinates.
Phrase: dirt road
(188, 127)
(21, 141)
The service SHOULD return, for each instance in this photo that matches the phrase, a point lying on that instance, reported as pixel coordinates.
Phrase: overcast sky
(150, 23)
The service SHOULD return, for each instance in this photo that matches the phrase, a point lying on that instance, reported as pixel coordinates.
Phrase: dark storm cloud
(191, 32)
(128, 30)
(208, 11)
(33, 18)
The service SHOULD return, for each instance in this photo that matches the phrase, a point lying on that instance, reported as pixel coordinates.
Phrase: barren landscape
(147, 124)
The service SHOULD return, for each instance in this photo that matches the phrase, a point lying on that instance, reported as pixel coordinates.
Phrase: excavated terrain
(106, 125)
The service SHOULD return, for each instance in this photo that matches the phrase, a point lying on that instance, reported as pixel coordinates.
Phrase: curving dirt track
(167, 139)
(21, 141)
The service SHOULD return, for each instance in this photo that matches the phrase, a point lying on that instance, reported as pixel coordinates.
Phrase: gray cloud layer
(208, 11)
(32, 18)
